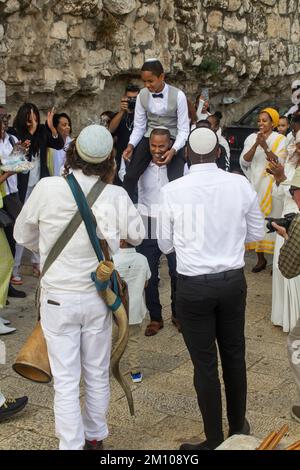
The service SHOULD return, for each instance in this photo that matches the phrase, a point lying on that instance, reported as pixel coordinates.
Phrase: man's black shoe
(12, 292)
(12, 406)
(244, 430)
(196, 446)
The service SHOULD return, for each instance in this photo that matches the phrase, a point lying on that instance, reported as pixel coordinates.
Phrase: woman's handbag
(12, 205)
(5, 219)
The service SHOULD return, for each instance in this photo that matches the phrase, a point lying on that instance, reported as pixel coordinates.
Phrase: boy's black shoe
(12, 406)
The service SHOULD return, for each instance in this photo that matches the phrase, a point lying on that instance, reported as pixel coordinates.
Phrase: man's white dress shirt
(207, 216)
(48, 211)
(159, 106)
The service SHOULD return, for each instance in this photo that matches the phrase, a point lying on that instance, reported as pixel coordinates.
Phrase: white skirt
(285, 295)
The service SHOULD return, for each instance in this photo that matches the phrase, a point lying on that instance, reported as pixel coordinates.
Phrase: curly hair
(106, 170)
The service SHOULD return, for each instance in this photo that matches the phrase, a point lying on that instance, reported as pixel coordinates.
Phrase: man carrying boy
(158, 104)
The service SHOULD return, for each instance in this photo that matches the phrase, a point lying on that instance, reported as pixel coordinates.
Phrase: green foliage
(209, 65)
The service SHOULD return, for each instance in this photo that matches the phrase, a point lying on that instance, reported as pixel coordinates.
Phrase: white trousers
(293, 346)
(78, 329)
(35, 257)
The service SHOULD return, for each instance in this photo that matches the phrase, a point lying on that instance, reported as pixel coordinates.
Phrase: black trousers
(140, 160)
(150, 249)
(211, 309)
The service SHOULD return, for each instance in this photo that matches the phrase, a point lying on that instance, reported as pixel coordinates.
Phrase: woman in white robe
(285, 292)
(260, 149)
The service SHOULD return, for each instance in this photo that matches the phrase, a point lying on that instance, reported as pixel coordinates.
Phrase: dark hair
(217, 116)
(132, 87)
(57, 117)
(284, 117)
(295, 119)
(154, 66)
(203, 123)
(22, 117)
(21, 127)
(106, 170)
(159, 131)
(108, 113)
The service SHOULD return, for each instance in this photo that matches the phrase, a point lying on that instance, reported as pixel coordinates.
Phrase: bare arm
(115, 122)
(248, 157)
(5, 175)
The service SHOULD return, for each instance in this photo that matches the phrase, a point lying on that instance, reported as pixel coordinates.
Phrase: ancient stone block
(233, 24)
(59, 30)
(214, 21)
(120, 7)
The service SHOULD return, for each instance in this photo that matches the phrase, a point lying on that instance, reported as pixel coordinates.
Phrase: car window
(250, 120)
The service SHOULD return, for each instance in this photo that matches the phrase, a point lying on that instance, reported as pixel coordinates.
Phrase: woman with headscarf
(259, 150)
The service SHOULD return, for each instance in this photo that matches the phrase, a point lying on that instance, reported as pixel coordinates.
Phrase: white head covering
(94, 144)
(202, 140)
(296, 92)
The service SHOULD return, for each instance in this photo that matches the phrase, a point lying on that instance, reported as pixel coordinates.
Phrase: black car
(237, 133)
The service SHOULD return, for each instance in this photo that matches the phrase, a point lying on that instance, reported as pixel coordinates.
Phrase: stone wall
(79, 54)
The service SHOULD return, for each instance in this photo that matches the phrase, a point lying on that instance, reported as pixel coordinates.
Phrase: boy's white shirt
(134, 269)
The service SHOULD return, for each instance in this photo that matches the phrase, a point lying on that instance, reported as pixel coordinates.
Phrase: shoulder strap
(11, 140)
(71, 228)
(86, 214)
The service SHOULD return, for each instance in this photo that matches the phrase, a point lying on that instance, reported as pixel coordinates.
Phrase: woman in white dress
(259, 150)
(285, 292)
(56, 158)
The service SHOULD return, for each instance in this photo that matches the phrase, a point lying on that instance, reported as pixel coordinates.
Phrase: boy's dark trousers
(140, 160)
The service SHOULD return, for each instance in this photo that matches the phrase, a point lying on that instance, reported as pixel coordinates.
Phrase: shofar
(103, 274)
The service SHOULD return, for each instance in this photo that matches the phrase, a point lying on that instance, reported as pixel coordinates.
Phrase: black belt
(213, 276)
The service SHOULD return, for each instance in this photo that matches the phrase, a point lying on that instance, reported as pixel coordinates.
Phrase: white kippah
(152, 59)
(202, 140)
(94, 143)
(295, 84)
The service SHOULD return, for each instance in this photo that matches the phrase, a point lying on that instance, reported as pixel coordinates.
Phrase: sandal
(16, 280)
(153, 328)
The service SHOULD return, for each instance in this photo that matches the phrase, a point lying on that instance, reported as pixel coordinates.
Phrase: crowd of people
(165, 188)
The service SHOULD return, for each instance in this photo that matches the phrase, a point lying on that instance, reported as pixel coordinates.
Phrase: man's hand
(127, 154)
(167, 157)
(124, 104)
(280, 230)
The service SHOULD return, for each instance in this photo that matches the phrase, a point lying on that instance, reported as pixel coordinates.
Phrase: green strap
(71, 228)
(86, 214)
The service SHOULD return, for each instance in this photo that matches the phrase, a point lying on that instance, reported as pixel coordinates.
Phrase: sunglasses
(292, 190)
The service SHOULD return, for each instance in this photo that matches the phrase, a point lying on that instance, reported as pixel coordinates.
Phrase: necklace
(129, 122)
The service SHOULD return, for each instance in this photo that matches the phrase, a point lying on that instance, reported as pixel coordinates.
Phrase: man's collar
(127, 250)
(203, 167)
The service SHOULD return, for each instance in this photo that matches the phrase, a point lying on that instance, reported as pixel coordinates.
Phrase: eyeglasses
(292, 190)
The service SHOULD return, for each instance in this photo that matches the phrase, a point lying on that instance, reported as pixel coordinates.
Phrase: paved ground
(166, 407)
